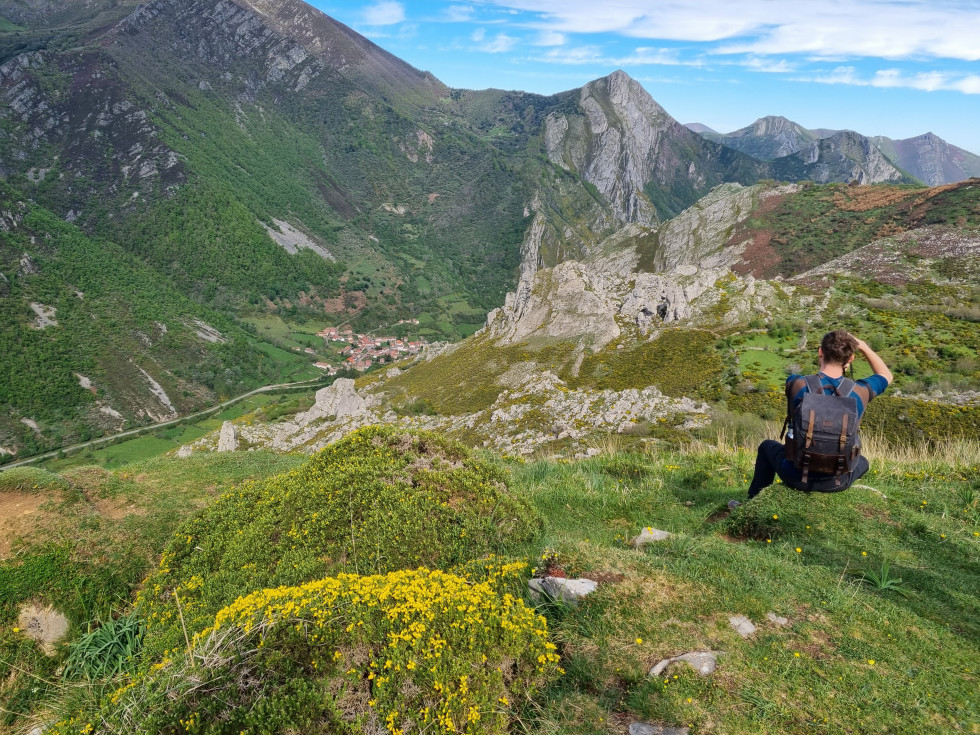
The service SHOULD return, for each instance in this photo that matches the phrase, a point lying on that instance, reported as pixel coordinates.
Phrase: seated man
(835, 354)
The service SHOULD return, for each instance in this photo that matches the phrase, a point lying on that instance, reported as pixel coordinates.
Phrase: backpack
(823, 429)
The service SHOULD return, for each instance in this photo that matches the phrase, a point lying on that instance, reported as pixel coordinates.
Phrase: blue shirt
(876, 384)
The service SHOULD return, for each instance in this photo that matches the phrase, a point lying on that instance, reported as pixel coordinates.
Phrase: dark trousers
(769, 463)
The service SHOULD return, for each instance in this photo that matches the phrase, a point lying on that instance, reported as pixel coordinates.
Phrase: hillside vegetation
(876, 586)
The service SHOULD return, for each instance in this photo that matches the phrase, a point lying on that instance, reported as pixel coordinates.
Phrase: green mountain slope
(88, 348)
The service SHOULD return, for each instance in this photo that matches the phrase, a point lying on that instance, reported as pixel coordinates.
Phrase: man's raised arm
(876, 363)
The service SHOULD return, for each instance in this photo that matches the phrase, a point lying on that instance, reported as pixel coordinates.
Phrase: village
(361, 351)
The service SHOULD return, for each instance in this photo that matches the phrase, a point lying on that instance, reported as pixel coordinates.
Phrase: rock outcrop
(845, 156)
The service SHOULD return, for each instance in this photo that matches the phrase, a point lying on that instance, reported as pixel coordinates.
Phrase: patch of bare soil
(760, 258)
(116, 509)
(19, 513)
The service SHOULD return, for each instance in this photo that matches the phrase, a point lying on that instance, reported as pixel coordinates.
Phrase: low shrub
(377, 501)
(407, 651)
(31, 480)
(776, 510)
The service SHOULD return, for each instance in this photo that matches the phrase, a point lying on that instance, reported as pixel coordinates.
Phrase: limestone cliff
(644, 163)
(845, 156)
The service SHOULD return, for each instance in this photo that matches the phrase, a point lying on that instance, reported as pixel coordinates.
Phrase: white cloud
(384, 13)
(459, 13)
(892, 29)
(479, 34)
(551, 38)
(642, 56)
(499, 44)
(767, 65)
(928, 81)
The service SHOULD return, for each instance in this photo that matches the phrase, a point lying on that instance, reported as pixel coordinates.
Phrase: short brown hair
(838, 347)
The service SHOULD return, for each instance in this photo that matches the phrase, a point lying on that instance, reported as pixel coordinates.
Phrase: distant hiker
(823, 414)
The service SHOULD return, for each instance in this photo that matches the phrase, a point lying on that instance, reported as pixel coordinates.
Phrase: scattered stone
(27, 266)
(703, 662)
(560, 588)
(228, 438)
(742, 625)
(392, 372)
(649, 535)
(185, 451)
(643, 728)
(777, 619)
(44, 624)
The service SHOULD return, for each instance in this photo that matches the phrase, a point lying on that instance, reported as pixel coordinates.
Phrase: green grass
(828, 563)
(855, 657)
(7, 26)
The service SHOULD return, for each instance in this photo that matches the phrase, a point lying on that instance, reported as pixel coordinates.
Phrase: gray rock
(228, 438)
(338, 400)
(392, 372)
(643, 728)
(650, 535)
(777, 619)
(44, 624)
(742, 625)
(27, 266)
(185, 451)
(559, 588)
(703, 662)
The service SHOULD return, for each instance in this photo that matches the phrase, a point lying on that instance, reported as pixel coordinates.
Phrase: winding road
(153, 427)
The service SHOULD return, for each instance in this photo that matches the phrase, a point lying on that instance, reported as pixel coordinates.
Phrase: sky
(898, 68)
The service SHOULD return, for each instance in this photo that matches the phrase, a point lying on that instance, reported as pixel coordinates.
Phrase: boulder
(742, 625)
(643, 728)
(703, 662)
(228, 438)
(337, 401)
(651, 535)
(44, 624)
(569, 591)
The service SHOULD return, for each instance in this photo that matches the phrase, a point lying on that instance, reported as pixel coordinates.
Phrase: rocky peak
(619, 141)
(768, 138)
(775, 124)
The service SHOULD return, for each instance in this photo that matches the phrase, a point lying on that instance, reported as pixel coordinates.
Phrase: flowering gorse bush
(377, 501)
(408, 651)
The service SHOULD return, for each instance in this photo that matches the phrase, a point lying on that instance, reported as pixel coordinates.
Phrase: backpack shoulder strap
(813, 384)
(846, 387)
(793, 387)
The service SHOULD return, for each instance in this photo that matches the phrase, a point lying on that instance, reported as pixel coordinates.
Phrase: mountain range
(928, 158)
(170, 167)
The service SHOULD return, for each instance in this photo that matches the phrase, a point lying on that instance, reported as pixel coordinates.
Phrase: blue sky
(882, 67)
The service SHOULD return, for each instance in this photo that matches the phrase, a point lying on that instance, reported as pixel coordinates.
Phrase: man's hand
(876, 363)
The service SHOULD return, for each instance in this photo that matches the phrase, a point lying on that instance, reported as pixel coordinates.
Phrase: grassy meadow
(877, 584)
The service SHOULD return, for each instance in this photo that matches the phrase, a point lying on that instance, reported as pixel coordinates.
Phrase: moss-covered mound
(377, 501)
(31, 480)
(408, 651)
